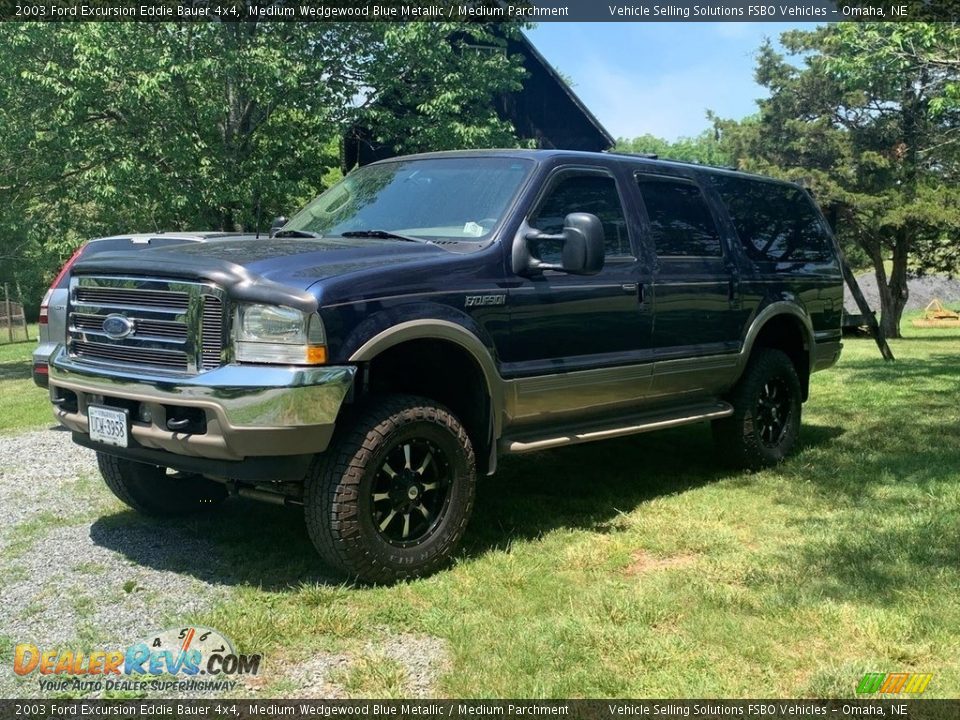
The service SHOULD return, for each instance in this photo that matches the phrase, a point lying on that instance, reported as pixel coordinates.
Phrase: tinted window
(776, 223)
(680, 221)
(595, 194)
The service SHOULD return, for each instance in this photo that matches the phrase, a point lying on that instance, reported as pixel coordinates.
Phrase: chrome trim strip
(771, 310)
(720, 410)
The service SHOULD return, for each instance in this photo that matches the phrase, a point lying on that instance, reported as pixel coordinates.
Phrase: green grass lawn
(23, 405)
(641, 567)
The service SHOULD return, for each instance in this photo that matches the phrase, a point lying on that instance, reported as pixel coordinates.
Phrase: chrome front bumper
(250, 410)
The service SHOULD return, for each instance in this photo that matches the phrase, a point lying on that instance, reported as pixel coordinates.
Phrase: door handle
(734, 293)
(634, 288)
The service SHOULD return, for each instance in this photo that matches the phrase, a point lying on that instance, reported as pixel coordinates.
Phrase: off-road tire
(339, 503)
(740, 437)
(149, 490)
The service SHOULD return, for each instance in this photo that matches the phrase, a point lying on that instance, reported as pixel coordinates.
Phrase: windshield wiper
(297, 233)
(381, 235)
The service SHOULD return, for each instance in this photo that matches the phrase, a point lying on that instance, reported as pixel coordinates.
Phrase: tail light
(45, 308)
(45, 303)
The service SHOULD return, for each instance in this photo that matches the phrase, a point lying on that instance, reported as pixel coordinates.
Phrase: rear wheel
(391, 497)
(765, 424)
(151, 490)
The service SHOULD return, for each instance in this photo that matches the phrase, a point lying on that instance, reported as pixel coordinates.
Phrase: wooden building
(545, 110)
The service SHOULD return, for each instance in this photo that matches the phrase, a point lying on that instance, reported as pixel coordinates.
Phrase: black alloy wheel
(767, 402)
(773, 411)
(410, 492)
(390, 498)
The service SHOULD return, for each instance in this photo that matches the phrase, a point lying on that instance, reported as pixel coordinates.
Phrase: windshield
(440, 198)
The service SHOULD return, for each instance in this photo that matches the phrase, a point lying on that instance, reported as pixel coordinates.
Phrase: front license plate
(109, 425)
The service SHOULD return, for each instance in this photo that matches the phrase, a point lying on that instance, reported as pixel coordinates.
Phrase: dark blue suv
(431, 313)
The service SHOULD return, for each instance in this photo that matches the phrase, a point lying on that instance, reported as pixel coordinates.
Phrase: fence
(11, 316)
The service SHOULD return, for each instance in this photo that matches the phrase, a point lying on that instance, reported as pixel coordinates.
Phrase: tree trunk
(894, 294)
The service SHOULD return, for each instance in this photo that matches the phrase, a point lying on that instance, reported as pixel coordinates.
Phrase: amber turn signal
(316, 354)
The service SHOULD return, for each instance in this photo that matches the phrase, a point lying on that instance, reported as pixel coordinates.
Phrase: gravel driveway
(63, 585)
(79, 570)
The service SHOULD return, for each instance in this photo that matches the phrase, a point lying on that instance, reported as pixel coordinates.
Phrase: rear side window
(680, 220)
(590, 193)
(775, 223)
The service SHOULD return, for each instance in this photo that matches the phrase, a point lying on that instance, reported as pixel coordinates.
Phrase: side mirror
(278, 222)
(581, 245)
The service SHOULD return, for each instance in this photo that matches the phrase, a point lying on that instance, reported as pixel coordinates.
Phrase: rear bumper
(247, 410)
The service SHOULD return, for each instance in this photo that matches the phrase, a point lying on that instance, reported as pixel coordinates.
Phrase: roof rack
(645, 156)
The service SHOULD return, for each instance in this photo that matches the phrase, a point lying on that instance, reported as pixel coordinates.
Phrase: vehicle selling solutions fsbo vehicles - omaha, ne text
(431, 313)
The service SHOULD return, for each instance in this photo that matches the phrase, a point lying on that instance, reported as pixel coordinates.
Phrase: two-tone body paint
(555, 348)
(642, 333)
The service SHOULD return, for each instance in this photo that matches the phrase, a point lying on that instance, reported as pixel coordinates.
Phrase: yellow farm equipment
(935, 315)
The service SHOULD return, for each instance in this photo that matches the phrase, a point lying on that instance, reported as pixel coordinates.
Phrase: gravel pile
(922, 290)
(423, 659)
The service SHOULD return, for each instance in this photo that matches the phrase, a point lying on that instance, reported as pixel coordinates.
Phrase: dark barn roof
(545, 110)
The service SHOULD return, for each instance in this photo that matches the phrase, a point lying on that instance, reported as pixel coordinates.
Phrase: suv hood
(265, 269)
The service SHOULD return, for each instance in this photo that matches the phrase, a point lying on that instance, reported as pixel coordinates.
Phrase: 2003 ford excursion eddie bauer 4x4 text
(430, 313)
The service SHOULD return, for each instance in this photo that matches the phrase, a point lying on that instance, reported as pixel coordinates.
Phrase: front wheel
(151, 490)
(391, 497)
(765, 424)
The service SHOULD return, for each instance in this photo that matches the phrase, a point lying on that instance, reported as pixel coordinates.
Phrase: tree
(705, 148)
(119, 127)
(871, 122)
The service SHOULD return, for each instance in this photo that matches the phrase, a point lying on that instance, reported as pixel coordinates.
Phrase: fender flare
(434, 329)
(768, 313)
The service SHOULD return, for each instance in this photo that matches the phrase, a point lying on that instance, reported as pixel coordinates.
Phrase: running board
(623, 426)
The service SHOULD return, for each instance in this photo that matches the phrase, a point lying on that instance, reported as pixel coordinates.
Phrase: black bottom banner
(436, 709)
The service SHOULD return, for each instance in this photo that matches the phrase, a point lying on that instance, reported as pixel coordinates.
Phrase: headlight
(275, 334)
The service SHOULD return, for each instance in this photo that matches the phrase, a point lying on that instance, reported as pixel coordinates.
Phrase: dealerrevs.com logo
(192, 659)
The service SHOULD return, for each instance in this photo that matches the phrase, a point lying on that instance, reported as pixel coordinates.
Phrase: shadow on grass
(931, 366)
(583, 487)
(244, 543)
(894, 522)
(16, 370)
(882, 550)
(941, 337)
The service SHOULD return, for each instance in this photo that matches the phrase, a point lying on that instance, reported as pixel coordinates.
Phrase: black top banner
(815, 11)
(895, 709)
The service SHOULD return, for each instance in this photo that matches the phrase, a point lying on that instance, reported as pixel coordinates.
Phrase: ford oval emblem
(117, 326)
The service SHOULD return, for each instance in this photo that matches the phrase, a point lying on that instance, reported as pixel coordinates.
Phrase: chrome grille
(144, 328)
(211, 333)
(132, 298)
(171, 325)
(169, 360)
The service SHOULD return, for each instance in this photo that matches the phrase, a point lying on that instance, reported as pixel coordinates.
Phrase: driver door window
(590, 193)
